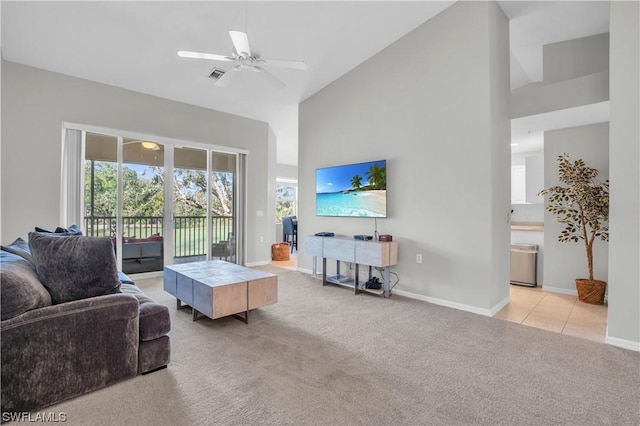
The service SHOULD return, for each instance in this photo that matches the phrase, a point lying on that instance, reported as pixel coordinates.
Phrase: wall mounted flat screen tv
(352, 190)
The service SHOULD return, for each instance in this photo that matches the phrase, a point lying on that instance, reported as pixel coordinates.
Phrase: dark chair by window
(225, 249)
(290, 231)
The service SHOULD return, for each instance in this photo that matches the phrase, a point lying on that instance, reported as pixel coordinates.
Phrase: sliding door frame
(170, 143)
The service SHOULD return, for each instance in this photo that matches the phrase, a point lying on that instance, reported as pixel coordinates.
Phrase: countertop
(527, 226)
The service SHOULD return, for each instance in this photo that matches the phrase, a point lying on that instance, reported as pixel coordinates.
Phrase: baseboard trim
(260, 263)
(446, 303)
(560, 290)
(504, 302)
(622, 343)
(460, 306)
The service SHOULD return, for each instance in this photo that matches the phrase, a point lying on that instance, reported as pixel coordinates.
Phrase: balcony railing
(189, 232)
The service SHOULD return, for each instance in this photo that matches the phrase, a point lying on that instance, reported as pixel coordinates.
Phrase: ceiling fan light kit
(244, 60)
(150, 145)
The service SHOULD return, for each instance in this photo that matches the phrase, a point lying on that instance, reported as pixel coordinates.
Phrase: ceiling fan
(245, 60)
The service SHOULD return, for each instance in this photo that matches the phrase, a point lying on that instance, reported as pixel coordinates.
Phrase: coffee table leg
(244, 319)
(196, 314)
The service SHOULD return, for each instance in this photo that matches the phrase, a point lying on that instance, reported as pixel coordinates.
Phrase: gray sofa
(63, 337)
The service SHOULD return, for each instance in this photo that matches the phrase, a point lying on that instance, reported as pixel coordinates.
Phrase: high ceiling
(133, 45)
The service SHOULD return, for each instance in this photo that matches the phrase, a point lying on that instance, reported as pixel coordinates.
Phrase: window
(286, 198)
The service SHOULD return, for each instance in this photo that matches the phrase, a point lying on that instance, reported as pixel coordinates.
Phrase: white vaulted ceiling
(133, 45)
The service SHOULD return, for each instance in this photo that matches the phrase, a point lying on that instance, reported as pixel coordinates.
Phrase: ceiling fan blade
(240, 42)
(209, 56)
(227, 77)
(275, 81)
(299, 65)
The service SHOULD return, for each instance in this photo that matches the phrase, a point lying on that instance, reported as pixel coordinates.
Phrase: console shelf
(380, 254)
(350, 283)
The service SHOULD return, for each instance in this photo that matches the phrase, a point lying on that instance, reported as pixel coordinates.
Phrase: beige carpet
(324, 356)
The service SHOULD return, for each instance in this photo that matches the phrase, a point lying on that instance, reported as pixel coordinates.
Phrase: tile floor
(561, 313)
(292, 263)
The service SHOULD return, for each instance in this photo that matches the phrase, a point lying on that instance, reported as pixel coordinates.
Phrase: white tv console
(380, 254)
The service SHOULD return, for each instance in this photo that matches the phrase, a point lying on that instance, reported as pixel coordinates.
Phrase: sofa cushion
(154, 318)
(21, 248)
(74, 267)
(20, 289)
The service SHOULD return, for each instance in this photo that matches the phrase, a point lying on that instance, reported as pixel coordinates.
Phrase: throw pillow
(21, 248)
(71, 230)
(20, 289)
(74, 267)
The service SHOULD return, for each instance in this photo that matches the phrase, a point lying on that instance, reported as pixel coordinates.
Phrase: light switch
(259, 213)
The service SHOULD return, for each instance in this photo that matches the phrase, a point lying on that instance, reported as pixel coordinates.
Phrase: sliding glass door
(190, 204)
(101, 186)
(142, 221)
(222, 183)
(126, 181)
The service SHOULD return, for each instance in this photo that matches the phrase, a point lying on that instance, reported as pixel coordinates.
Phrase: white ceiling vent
(216, 73)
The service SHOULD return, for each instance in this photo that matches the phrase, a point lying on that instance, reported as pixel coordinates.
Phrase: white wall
(564, 262)
(535, 178)
(449, 96)
(534, 166)
(527, 213)
(623, 325)
(35, 103)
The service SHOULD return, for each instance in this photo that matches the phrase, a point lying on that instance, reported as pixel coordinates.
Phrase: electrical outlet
(262, 239)
(418, 258)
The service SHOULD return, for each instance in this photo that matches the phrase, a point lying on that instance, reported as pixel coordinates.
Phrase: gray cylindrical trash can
(524, 260)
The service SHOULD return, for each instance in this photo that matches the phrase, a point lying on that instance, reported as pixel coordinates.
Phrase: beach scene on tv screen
(358, 190)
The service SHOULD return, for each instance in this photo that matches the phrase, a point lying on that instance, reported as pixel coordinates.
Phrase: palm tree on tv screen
(377, 177)
(356, 182)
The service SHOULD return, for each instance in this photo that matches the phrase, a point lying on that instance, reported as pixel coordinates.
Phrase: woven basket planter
(591, 291)
(280, 251)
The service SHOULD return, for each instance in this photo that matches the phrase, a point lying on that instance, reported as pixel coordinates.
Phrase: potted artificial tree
(583, 206)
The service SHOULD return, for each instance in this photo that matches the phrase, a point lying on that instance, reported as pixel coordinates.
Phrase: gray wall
(575, 58)
(35, 103)
(576, 72)
(286, 171)
(564, 262)
(624, 244)
(449, 96)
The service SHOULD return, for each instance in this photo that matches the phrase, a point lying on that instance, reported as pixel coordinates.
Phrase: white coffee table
(217, 288)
